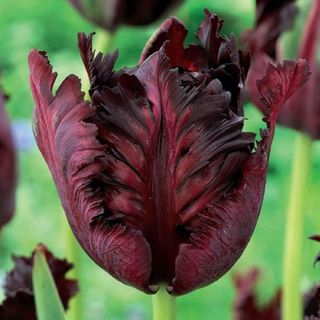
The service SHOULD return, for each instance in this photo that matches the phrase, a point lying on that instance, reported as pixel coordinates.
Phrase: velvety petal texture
(19, 301)
(302, 112)
(109, 14)
(159, 181)
(8, 168)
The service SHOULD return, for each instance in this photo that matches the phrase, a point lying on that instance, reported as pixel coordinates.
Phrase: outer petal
(75, 165)
(8, 170)
(227, 226)
(172, 30)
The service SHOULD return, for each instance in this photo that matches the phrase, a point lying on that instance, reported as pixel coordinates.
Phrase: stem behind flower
(292, 299)
(164, 305)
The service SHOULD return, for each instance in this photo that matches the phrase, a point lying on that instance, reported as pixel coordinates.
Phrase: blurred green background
(52, 26)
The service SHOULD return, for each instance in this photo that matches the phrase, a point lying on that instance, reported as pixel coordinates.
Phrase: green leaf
(48, 303)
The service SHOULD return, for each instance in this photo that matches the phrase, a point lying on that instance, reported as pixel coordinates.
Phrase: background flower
(302, 112)
(109, 14)
(8, 171)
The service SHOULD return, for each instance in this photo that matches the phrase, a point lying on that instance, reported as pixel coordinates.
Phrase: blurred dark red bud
(302, 112)
(8, 169)
(247, 306)
(19, 301)
(109, 14)
(158, 180)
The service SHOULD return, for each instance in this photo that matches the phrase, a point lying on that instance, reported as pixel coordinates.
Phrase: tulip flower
(160, 184)
(8, 174)
(109, 14)
(19, 303)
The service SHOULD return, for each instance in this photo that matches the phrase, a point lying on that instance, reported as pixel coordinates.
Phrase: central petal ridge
(173, 147)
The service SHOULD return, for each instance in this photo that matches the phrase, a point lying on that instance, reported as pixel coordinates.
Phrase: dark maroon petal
(141, 123)
(19, 307)
(8, 170)
(172, 30)
(246, 306)
(230, 220)
(226, 63)
(19, 302)
(99, 67)
(109, 14)
(77, 165)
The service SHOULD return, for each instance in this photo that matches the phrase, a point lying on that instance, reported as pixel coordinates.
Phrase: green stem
(164, 305)
(102, 42)
(292, 299)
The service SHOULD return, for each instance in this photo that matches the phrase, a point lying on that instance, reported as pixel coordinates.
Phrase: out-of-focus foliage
(52, 25)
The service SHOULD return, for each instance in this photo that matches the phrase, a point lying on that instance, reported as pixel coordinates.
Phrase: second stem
(292, 299)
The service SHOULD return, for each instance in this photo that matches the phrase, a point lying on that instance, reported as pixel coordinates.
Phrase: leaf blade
(48, 303)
